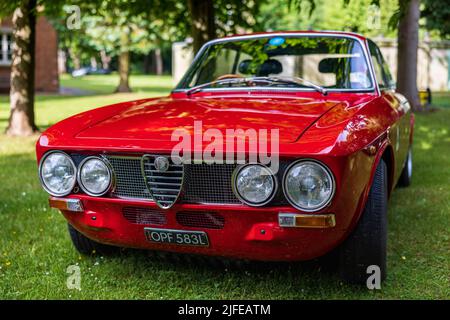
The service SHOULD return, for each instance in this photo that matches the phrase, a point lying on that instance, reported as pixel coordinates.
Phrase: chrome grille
(128, 175)
(209, 183)
(164, 186)
(201, 182)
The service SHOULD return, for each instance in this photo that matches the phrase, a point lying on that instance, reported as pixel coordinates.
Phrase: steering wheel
(228, 76)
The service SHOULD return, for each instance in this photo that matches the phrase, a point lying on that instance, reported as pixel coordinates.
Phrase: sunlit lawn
(35, 249)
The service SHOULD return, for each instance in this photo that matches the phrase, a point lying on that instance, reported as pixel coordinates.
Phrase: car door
(399, 132)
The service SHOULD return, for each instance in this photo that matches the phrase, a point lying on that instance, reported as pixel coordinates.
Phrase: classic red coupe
(139, 174)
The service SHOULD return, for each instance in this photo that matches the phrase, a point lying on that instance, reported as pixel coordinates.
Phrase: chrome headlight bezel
(329, 174)
(110, 175)
(236, 192)
(44, 185)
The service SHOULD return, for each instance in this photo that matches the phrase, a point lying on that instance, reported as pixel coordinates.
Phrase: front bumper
(247, 232)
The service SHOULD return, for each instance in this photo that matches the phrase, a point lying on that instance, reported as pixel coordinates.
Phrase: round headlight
(94, 176)
(308, 185)
(57, 173)
(255, 184)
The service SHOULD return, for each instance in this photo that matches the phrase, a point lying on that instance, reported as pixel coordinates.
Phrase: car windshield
(292, 61)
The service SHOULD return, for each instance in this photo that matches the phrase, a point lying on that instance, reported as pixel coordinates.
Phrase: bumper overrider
(145, 201)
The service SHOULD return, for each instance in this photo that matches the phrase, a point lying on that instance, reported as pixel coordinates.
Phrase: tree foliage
(437, 16)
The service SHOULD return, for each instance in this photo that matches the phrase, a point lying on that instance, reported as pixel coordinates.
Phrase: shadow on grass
(288, 279)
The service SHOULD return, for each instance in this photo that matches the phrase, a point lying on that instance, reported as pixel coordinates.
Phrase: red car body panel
(338, 129)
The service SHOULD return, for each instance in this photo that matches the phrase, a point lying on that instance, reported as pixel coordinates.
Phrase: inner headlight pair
(254, 184)
(308, 185)
(59, 174)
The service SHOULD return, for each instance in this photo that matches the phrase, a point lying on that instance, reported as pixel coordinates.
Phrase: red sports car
(275, 146)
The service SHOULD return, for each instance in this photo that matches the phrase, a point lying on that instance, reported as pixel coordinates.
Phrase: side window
(387, 74)
(380, 66)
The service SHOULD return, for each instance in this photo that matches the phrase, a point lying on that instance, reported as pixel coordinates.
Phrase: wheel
(87, 246)
(366, 245)
(405, 177)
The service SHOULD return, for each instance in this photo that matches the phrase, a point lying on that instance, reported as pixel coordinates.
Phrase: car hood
(156, 119)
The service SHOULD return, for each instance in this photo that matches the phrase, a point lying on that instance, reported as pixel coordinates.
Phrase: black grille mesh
(209, 220)
(202, 182)
(209, 183)
(139, 215)
(129, 180)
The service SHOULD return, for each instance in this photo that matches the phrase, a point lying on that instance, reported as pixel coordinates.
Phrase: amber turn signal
(65, 204)
(306, 220)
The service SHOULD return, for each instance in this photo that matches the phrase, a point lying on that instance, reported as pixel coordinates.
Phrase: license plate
(180, 237)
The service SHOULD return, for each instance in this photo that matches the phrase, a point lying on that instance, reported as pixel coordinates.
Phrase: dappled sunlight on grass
(431, 135)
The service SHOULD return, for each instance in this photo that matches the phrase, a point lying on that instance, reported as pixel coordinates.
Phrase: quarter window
(380, 66)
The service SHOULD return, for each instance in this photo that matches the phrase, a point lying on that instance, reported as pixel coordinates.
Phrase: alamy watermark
(374, 280)
(373, 21)
(73, 21)
(230, 146)
(73, 281)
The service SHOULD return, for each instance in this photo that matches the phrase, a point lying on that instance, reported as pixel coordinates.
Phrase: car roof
(313, 32)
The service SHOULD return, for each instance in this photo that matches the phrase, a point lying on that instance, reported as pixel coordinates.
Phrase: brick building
(46, 73)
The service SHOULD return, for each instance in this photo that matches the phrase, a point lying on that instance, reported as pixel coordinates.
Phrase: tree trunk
(158, 62)
(75, 59)
(146, 63)
(203, 25)
(124, 63)
(94, 64)
(21, 119)
(106, 59)
(62, 61)
(408, 44)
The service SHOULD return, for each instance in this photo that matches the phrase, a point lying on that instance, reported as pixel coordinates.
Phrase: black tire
(367, 244)
(87, 246)
(405, 177)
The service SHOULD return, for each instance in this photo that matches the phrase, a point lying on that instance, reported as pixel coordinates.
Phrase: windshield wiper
(300, 81)
(225, 81)
(292, 80)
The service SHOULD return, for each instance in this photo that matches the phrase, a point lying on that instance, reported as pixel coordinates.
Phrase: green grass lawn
(441, 99)
(35, 249)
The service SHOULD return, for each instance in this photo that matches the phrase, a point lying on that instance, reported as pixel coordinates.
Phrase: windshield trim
(374, 86)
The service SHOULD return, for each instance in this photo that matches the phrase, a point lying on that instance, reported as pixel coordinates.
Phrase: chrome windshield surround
(363, 44)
